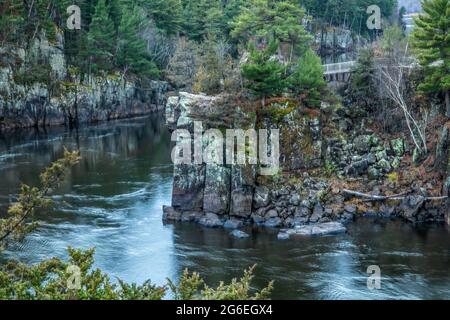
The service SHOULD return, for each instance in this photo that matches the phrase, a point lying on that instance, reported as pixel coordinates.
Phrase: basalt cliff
(333, 168)
(39, 88)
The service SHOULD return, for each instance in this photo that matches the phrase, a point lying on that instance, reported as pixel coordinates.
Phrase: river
(112, 201)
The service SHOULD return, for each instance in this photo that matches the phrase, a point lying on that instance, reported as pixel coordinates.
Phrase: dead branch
(401, 196)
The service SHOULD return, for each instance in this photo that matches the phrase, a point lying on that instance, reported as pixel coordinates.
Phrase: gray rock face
(92, 99)
(216, 196)
(321, 229)
(188, 187)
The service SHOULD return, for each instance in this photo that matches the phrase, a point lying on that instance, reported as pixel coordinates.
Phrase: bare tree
(394, 84)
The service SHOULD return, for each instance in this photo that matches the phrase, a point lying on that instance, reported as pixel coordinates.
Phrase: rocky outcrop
(38, 88)
(304, 202)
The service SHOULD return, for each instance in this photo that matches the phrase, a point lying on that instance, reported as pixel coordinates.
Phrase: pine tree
(307, 79)
(361, 87)
(167, 14)
(131, 54)
(432, 42)
(101, 39)
(281, 21)
(265, 75)
(203, 17)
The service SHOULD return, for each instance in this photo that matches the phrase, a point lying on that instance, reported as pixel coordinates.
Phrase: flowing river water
(112, 201)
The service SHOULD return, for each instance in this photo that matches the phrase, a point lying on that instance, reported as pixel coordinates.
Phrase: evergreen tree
(281, 21)
(432, 42)
(167, 14)
(131, 53)
(307, 79)
(203, 17)
(361, 88)
(101, 39)
(265, 75)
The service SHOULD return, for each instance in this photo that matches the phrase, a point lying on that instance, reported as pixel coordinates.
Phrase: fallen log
(399, 197)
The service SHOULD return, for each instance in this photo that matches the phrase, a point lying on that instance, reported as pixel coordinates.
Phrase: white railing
(341, 67)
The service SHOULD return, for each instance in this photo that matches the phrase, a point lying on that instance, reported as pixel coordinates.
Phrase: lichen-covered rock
(398, 146)
(242, 185)
(188, 187)
(216, 196)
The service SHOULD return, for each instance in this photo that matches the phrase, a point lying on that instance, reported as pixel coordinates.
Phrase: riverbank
(38, 88)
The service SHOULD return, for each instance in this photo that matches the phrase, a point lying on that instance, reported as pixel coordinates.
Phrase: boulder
(410, 208)
(357, 168)
(317, 213)
(398, 147)
(320, 229)
(295, 199)
(211, 220)
(170, 214)
(261, 197)
(239, 234)
(363, 143)
(273, 223)
(233, 224)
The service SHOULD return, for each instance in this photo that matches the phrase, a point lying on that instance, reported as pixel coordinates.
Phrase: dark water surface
(113, 199)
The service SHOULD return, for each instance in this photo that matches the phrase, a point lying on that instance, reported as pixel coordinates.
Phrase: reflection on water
(113, 199)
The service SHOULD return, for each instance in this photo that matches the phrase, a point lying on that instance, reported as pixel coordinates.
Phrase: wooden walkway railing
(342, 67)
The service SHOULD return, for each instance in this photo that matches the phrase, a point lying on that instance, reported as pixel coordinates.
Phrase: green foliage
(32, 74)
(281, 21)
(431, 39)
(203, 17)
(192, 287)
(265, 75)
(76, 279)
(131, 52)
(345, 13)
(307, 79)
(32, 198)
(167, 14)
(362, 88)
(101, 39)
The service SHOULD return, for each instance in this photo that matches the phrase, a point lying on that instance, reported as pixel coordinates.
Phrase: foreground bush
(76, 279)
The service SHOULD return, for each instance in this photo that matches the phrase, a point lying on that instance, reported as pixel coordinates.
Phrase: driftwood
(398, 197)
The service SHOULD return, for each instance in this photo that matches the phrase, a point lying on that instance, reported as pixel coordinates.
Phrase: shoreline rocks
(320, 229)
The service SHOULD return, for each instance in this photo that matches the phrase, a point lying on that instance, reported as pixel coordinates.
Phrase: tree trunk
(447, 102)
